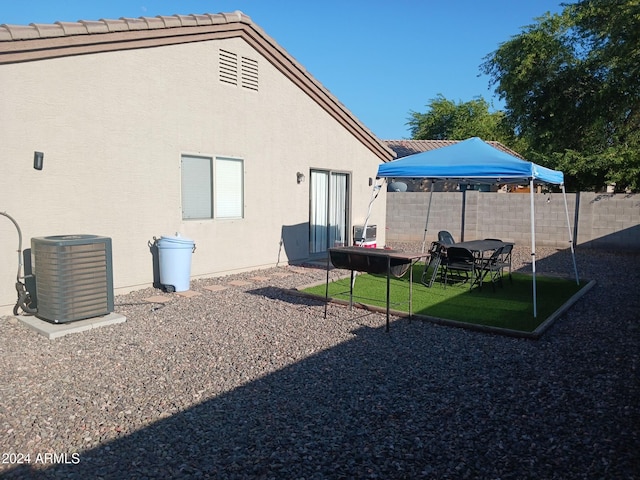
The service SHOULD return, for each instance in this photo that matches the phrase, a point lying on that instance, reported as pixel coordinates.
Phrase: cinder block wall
(596, 220)
(609, 220)
(407, 213)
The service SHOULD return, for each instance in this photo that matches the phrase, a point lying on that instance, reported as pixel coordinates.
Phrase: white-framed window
(229, 191)
(212, 187)
(197, 187)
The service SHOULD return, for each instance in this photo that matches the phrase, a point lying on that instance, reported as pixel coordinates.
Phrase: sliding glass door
(329, 210)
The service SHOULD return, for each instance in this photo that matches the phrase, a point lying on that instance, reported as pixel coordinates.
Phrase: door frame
(348, 198)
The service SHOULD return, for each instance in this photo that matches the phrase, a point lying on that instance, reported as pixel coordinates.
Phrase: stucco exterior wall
(113, 127)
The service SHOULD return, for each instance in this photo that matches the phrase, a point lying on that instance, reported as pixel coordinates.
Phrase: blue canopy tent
(474, 161)
(470, 161)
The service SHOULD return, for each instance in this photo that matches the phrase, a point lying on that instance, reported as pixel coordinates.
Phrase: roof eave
(38, 42)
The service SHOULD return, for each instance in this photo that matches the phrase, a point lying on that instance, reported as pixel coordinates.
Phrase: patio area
(506, 310)
(241, 378)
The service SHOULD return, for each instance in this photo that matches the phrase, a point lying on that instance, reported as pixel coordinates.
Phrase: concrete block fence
(596, 220)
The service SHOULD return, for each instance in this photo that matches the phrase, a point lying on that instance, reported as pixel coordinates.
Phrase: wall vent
(228, 67)
(74, 277)
(249, 73)
(246, 75)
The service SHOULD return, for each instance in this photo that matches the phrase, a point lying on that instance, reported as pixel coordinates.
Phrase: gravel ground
(253, 382)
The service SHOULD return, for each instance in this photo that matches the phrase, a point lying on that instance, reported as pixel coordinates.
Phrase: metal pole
(573, 254)
(424, 237)
(351, 292)
(326, 290)
(533, 249)
(410, 289)
(388, 287)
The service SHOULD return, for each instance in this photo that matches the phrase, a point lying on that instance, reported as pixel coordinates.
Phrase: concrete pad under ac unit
(56, 330)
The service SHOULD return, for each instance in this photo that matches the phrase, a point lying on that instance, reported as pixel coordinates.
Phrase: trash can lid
(175, 239)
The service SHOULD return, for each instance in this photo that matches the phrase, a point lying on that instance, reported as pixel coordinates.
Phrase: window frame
(188, 199)
(217, 204)
(205, 195)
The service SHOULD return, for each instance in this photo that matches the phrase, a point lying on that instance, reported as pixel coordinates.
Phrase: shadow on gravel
(285, 295)
(414, 403)
(372, 407)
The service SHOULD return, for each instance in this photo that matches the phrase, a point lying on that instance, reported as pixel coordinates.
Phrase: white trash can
(174, 259)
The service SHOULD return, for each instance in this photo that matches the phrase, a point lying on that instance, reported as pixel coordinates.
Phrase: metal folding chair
(435, 259)
(504, 260)
(445, 238)
(462, 263)
(492, 268)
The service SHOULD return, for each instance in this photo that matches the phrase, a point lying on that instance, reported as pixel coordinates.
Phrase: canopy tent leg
(533, 249)
(426, 224)
(573, 253)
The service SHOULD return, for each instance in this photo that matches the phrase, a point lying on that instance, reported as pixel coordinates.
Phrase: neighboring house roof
(26, 43)
(404, 148)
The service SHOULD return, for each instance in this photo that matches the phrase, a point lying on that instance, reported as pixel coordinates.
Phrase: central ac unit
(74, 277)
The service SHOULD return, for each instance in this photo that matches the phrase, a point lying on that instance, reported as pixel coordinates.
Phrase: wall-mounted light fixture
(38, 159)
(300, 177)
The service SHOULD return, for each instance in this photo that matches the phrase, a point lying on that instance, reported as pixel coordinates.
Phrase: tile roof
(89, 27)
(28, 43)
(404, 148)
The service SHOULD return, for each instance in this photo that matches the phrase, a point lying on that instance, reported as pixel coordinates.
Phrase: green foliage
(571, 89)
(447, 120)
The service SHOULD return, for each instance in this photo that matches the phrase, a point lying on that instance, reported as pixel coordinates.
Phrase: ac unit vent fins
(74, 277)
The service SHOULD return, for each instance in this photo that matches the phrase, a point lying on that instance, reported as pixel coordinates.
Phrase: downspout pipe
(5, 214)
(24, 298)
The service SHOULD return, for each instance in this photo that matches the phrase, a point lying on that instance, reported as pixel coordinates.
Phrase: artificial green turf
(510, 306)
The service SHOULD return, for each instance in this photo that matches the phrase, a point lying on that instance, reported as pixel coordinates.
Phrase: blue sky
(381, 59)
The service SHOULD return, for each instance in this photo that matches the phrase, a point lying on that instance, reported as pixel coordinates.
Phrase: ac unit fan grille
(74, 278)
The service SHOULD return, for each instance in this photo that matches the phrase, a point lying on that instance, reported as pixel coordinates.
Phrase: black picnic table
(373, 260)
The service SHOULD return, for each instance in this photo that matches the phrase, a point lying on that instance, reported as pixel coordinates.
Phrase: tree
(447, 120)
(571, 92)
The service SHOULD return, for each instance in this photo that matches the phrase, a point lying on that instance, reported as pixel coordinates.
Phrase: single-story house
(196, 124)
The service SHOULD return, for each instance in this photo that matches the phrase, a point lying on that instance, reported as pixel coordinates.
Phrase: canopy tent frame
(475, 161)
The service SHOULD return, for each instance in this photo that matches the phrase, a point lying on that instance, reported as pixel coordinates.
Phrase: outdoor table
(372, 260)
(479, 248)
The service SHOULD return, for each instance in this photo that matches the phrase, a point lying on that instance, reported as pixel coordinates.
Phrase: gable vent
(228, 66)
(249, 73)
